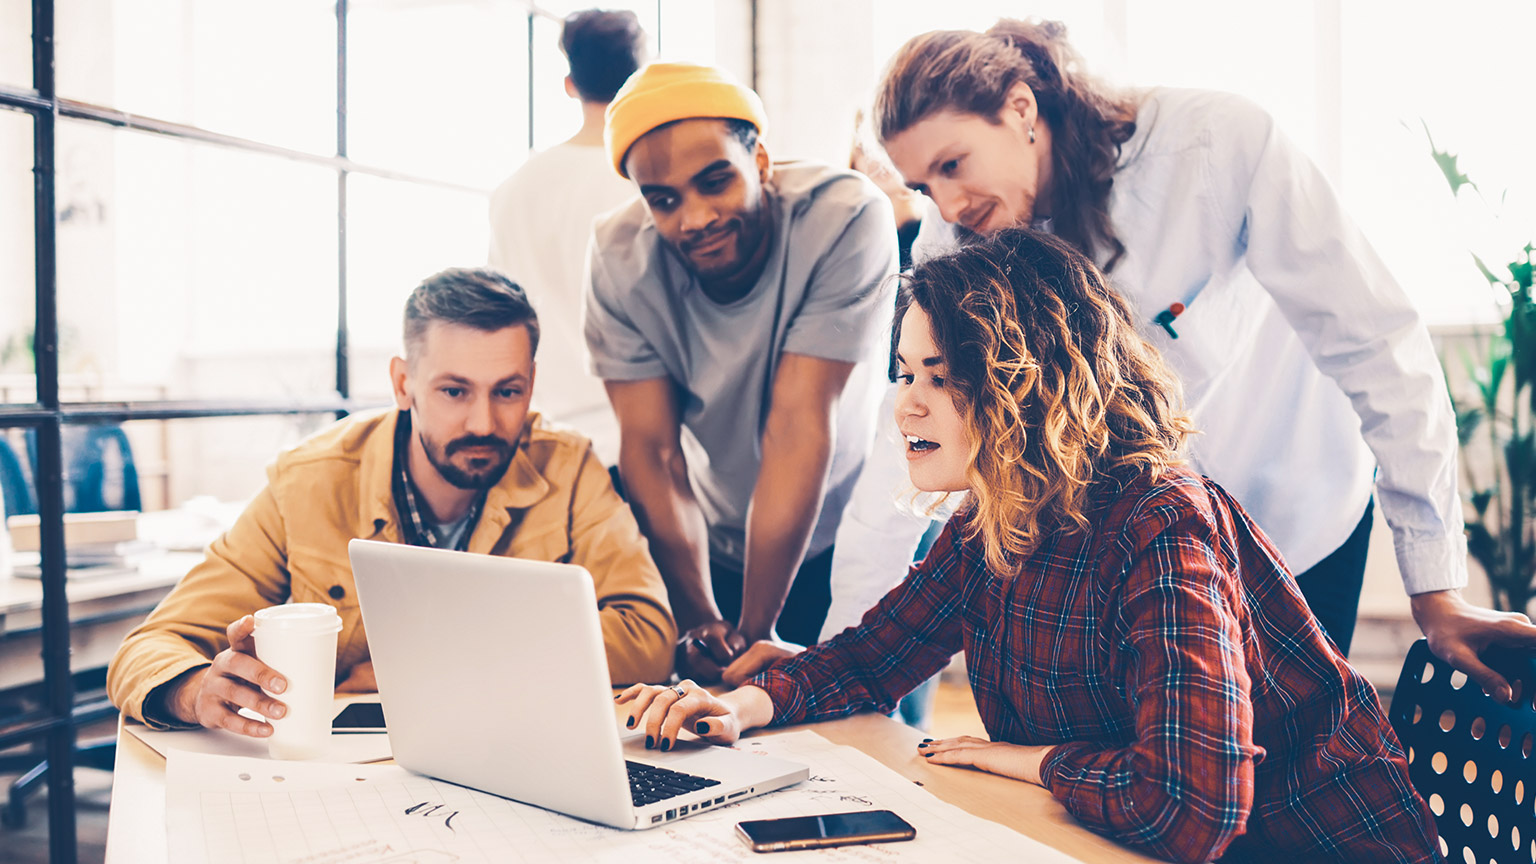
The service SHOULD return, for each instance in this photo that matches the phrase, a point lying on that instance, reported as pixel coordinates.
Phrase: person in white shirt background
(541, 220)
(1309, 373)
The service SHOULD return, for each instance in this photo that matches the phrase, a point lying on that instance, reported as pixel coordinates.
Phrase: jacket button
(338, 592)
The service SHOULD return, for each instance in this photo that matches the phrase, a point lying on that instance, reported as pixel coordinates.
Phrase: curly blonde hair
(1059, 392)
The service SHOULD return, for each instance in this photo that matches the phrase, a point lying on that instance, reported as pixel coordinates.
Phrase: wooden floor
(954, 711)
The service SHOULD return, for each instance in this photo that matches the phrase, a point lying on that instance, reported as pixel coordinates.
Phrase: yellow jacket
(555, 503)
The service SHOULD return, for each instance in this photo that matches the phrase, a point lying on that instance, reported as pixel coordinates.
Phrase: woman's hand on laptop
(213, 695)
(663, 712)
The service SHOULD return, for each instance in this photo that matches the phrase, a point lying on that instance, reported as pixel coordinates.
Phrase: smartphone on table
(359, 717)
(833, 829)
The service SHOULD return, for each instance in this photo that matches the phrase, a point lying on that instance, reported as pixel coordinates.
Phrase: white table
(136, 825)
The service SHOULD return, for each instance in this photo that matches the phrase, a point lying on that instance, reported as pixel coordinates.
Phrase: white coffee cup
(298, 641)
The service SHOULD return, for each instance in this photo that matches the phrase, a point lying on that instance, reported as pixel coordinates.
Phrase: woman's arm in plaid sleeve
(1183, 789)
(910, 634)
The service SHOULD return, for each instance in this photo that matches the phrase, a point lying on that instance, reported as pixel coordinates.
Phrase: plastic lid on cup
(299, 617)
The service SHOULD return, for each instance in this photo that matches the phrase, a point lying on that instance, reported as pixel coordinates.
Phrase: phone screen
(834, 829)
(360, 717)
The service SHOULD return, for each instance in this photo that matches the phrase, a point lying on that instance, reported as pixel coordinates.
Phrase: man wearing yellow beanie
(737, 314)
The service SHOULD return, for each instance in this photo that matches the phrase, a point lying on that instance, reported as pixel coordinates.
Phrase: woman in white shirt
(1308, 371)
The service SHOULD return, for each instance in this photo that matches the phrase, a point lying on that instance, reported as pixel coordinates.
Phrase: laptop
(492, 675)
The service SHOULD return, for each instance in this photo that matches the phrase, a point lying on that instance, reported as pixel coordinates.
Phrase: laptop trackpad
(689, 755)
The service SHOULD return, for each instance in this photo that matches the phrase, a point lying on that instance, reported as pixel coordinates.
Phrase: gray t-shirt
(824, 293)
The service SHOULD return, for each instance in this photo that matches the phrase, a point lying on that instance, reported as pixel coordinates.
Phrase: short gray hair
(477, 297)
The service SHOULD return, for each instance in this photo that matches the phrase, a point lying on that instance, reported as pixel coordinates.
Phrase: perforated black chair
(1471, 757)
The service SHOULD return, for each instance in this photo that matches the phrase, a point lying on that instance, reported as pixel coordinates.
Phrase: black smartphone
(833, 829)
(359, 717)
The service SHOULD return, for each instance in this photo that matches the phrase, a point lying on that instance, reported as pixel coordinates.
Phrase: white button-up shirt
(1304, 364)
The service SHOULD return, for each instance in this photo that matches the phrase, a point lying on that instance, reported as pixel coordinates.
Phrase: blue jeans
(916, 708)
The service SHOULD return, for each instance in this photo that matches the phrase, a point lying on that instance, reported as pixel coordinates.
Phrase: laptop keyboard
(649, 784)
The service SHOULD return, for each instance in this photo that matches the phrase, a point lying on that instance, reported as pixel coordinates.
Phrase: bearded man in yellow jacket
(459, 463)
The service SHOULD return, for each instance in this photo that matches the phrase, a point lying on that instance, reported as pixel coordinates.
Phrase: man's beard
(751, 228)
(483, 473)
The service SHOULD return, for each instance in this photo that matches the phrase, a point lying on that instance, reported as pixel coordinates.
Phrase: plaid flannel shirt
(1199, 709)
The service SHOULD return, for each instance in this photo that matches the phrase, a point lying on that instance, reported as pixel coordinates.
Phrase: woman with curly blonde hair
(1134, 642)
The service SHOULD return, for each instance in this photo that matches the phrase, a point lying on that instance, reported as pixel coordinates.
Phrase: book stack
(95, 544)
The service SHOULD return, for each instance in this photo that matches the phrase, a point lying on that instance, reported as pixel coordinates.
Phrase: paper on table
(228, 809)
(218, 742)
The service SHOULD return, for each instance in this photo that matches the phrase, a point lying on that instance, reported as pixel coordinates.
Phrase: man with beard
(737, 314)
(461, 464)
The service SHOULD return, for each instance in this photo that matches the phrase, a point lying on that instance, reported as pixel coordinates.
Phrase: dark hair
(604, 48)
(972, 72)
(741, 130)
(1058, 390)
(477, 297)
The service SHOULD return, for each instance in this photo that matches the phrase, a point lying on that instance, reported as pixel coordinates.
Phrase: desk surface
(136, 827)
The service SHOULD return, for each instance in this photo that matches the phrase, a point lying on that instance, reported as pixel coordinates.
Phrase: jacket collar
(520, 488)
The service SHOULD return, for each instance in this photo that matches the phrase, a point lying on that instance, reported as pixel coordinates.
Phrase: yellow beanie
(663, 92)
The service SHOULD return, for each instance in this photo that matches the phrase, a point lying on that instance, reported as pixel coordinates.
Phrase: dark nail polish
(922, 745)
(929, 753)
(702, 728)
(665, 745)
(650, 743)
(630, 722)
(927, 740)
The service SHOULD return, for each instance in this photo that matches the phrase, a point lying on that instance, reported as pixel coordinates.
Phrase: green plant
(1498, 422)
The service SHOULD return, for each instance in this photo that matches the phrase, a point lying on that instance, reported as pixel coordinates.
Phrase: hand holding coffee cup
(212, 696)
(298, 642)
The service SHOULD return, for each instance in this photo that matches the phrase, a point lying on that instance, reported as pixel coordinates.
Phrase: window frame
(56, 724)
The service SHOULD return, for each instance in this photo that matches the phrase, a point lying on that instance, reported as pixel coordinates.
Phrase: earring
(1031, 133)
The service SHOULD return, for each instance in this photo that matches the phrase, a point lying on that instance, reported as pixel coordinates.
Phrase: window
(17, 274)
(242, 197)
(15, 46)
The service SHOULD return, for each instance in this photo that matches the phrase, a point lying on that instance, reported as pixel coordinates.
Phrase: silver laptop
(492, 675)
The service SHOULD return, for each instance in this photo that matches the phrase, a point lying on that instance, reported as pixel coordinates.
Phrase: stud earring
(1031, 133)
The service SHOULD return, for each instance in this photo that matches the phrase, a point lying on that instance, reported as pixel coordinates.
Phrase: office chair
(101, 469)
(1470, 757)
(99, 472)
(14, 486)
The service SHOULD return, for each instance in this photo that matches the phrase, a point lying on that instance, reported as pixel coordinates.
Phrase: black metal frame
(56, 724)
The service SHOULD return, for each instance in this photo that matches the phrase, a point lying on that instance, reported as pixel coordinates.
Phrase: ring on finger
(678, 689)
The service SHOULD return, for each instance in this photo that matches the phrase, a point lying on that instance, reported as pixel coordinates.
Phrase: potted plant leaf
(1495, 426)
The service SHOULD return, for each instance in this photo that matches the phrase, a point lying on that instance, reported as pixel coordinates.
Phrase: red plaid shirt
(1200, 710)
